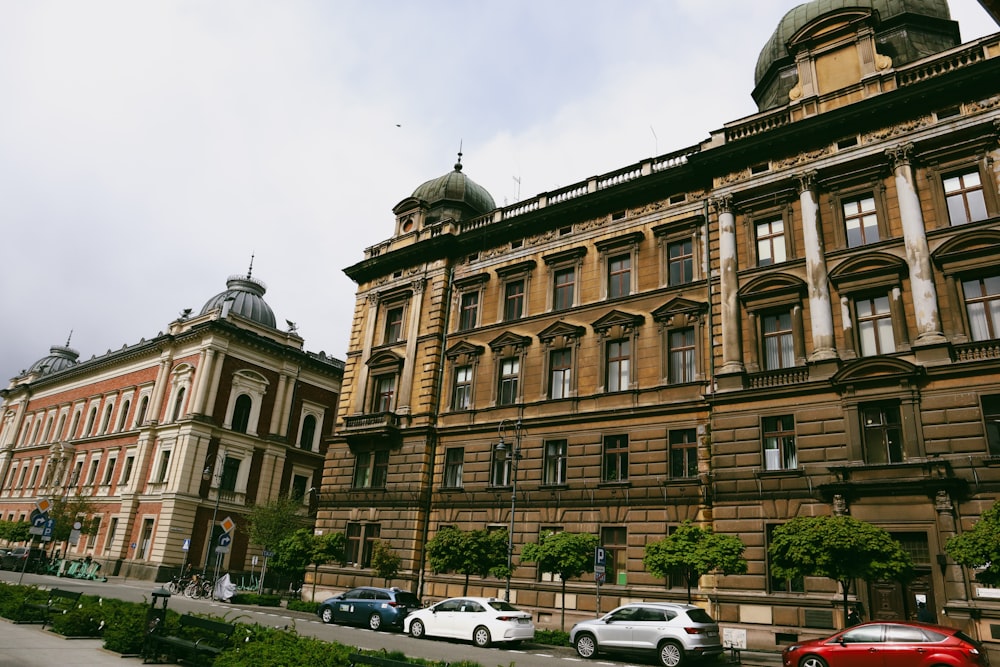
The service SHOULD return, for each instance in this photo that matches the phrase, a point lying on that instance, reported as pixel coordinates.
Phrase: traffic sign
(228, 524)
(599, 577)
(224, 541)
(600, 560)
(38, 520)
(50, 525)
(186, 545)
(43, 505)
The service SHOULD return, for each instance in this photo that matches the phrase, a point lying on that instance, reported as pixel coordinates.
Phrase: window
(372, 533)
(308, 432)
(161, 475)
(564, 282)
(779, 350)
(680, 263)
(241, 413)
(469, 315)
(123, 415)
(454, 460)
(680, 361)
(614, 466)
(991, 415)
(107, 418)
(300, 484)
(554, 471)
(34, 475)
(230, 474)
(614, 539)
(360, 541)
(683, 453)
(510, 369)
(860, 221)
(95, 527)
(140, 418)
(352, 549)
(382, 398)
(513, 300)
(618, 365)
(92, 473)
(619, 276)
(561, 373)
(874, 326)
(776, 584)
(76, 423)
(74, 477)
(371, 469)
(982, 303)
(500, 467)
(109, 471)
(770, 242)
(461, 395)
(147, 537)
(393, 325)
(963, 193)
(127, 470)
(91, 418)
(179, 405)
(779, 443)
(883, 435)
(110, 537)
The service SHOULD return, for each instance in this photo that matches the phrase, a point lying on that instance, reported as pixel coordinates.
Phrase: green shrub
(125, 626)
(259, 600)
(269, 601)
(83, 620)
(299, 605)
(551, 637)
(285, 648)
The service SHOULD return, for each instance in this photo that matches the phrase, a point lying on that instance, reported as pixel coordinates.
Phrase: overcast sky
(148, 149)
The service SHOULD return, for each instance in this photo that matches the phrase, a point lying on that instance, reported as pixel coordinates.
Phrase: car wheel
(417, 629)
(326, 615)
(812, 661)
(481, 636)
(375, 622)
(671, 654)
(585, 645)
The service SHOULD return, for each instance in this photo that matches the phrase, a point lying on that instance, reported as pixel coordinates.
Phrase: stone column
(925, 306)
(160, 387)
(205, 361)
(732, 352)
(279, 403)
(412, 333)
(361, 371)
(820, 309)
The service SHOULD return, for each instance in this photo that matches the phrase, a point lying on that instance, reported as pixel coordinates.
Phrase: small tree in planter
(385, 561)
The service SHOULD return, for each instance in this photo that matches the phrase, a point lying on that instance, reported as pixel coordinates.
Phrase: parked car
(888, 644)
(483, 621)
(15, 559)
(675, 632)
(367, 605)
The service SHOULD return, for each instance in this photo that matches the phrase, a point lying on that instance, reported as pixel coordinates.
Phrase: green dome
(775, 50)
(456, 188)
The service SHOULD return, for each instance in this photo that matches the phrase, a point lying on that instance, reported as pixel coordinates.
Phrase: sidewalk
(29, 646)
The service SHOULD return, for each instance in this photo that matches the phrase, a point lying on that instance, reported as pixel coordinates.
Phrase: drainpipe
(708, 292)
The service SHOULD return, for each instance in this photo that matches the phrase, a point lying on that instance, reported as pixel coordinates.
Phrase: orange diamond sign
(228, 524)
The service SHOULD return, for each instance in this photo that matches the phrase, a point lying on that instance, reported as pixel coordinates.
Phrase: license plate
(712, 634)
(523, 621)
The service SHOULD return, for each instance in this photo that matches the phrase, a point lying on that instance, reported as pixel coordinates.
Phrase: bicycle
(199, 587)
(177, 585)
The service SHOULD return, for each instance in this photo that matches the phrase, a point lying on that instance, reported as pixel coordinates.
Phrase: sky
(149, 149)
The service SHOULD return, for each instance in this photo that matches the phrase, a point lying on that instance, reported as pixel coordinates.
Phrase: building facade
(798, 316)
(160, 441)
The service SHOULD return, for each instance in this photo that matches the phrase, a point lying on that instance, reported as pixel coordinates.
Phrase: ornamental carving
(897, 130)
(983, 105)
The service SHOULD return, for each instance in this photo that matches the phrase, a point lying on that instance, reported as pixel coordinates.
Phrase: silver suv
(676, 632)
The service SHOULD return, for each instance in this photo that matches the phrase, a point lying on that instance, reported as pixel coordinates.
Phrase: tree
(478, 552)
(302, 548)
(385, 561)
(692, 551)
(979, 548)
(67, 511)
(839, 548)
(270, 523)
(567, 554)
(14, 531)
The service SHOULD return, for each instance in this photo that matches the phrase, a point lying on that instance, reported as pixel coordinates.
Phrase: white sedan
(484, 621)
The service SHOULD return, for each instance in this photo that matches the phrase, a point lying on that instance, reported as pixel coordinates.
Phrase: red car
(889, 644)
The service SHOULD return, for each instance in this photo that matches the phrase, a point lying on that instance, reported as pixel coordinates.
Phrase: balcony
(373, 429)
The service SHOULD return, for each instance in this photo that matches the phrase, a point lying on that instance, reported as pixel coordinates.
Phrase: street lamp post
(214, 476)
(514, 454)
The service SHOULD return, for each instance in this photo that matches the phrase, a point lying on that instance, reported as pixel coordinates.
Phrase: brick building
(796, 316)
(167, 437)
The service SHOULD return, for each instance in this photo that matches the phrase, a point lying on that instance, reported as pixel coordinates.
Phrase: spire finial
(69, 337)
(458, 165)
(250, 270)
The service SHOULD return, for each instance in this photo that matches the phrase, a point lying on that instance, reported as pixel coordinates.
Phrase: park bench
(58, 601)
(213, 639)
(357, 659)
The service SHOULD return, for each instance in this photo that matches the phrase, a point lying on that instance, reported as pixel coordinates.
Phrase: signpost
(600, 564)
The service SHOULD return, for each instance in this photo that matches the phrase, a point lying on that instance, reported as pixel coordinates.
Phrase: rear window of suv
(407, 599)
(699, 616)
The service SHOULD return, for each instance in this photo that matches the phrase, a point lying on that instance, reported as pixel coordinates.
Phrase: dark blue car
(374, 607)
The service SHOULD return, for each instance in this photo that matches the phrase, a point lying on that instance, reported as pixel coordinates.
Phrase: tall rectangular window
(94, 528)
(982, 303)
(770, 242)
(779, 443)
(371, 469)
(564, 282)
(680, 360)
(614, 539)
(614, 467)
(462, 391)
(619, 276)
(618, 365)
(109, 470)
(393, 324)
(372, 532)
(991, 417)
(230, 474)
(469, 316)
(500, 467)
(385, 387)
(300, 483)
(683, 453)
(513, 300)
(875, 326)
(146, 540)
(352, 547)
(510, 369)
(454, 460)
(680, 263)
(963, 193)
(109, 539)
(860, 221)
(883, 434)
(554, 470)
(779, 349)
(560, 368)
(161, 476)
(127, 470)
(92, 473)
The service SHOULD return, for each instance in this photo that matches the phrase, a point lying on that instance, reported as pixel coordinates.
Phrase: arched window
(241, 413)
(91, 418)
(178, 403)
(107, 418)
(124, 414)
(76, 424)
(308, 432)
(141, 417)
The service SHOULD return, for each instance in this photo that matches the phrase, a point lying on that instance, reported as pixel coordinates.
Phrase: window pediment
(772, 290)
(686, 225)
(678, 306)
(464, 349)
(472, 281)
(385, 360)
(561, 329)
(978, 249)
(511, 340)
(876, 370)
(565, 256)
(620, 241)
(516, 269)
(617, 318)
(867, 271)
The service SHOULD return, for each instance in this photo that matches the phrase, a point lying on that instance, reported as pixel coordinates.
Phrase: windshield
(500, 605)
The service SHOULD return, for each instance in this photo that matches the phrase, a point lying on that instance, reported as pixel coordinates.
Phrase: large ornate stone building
(167, 437)
(798, 316)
